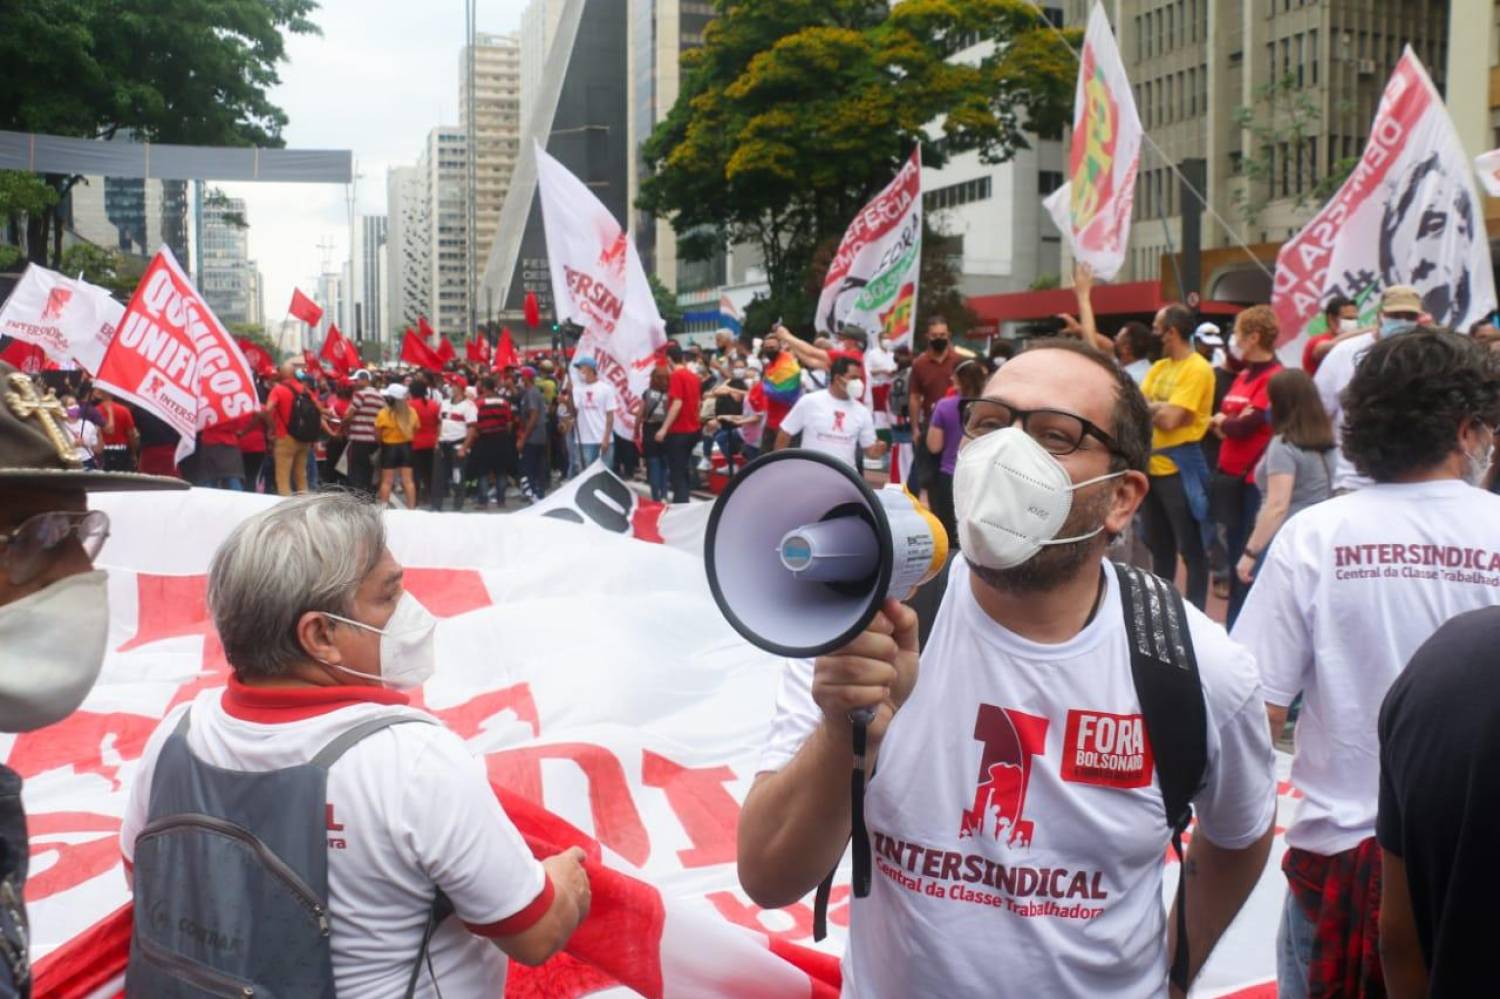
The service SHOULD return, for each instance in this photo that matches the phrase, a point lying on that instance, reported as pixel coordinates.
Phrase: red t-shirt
(1238, 455)
(427, 410)
(279, 404)
(1309, 362)
(124, 424)
(684, 385)
(227, 431)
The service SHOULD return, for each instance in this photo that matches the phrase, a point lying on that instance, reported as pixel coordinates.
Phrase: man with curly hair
(1349, 590)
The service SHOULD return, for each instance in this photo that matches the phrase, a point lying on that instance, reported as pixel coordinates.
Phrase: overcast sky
(383, 73)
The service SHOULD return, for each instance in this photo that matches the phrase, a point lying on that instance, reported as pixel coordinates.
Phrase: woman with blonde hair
(395, 426)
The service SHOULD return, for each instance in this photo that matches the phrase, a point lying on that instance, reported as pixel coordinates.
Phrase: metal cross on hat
(48, 411)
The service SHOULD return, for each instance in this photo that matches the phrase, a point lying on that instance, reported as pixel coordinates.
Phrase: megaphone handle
(859, 835)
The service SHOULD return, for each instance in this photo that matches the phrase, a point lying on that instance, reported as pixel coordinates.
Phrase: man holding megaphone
(1067, 716)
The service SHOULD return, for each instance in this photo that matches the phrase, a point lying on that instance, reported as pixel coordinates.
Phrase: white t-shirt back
(833, 426)
(1349, 589)
(409, 807)
(455, 420)
(594, 403)
(1015, 821)
(1331, 380)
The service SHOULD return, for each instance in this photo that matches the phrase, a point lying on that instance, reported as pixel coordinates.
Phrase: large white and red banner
(612, 705)
(872, 280)
(1409, 214)
(172, 356)
(72, 321)
(600, 284)
(1092, 209)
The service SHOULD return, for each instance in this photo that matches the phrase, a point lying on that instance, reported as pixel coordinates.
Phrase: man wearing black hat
(54, 611)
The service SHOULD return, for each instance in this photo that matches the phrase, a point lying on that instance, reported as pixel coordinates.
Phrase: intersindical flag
(1092, 209)
(1408, 214)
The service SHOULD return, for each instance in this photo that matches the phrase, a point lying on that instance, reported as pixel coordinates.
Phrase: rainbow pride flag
(783, 378)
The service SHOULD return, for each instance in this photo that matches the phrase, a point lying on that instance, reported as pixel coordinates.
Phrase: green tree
(1284, 123)
(794, 113)
(191, 71)
(666, 303)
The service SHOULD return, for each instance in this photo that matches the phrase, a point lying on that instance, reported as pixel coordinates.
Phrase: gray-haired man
(323, 640)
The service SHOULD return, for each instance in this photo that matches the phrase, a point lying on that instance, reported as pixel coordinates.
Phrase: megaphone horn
(801, 552)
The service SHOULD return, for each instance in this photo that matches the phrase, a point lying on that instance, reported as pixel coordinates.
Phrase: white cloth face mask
(1011, 497)
(52, 645)
(408, 648)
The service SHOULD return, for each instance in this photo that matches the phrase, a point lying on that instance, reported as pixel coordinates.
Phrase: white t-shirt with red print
(835, 427)
(595, 403)
(1017, 828)
(408, 808)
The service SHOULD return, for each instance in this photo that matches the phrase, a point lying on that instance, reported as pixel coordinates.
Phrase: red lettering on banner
(617, 824)
(750, 915)
(645, 520)
(76, 862)
(708, 813)
(91, 743)
(447, 592)
(562, 976)
(467, 719)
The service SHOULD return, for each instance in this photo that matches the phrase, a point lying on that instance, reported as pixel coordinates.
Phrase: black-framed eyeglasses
(1058, 432)
(26, 551)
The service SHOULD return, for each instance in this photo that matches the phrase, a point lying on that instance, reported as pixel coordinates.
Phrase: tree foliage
(794, 113)
(1283, 116)
(190, 71)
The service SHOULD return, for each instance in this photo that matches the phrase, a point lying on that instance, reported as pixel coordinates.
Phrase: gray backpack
(231, 878)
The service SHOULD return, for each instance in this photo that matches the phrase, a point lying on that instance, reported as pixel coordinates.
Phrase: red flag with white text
(172, 356)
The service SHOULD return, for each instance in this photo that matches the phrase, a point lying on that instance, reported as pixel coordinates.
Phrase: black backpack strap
(1165, 671)
(442, 908)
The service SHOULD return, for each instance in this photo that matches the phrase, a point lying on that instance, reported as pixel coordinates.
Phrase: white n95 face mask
(408, 649)
(52, 645)
(1011, 498)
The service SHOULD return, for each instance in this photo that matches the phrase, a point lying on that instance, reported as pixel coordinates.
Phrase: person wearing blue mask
(1400, 312)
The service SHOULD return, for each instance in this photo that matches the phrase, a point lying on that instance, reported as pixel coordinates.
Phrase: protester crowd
(1341, 511)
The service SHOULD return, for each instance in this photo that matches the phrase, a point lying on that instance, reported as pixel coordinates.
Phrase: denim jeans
(534, 467)
(233, 483)
(729, 443)
(589, 453)
(656, 475)
(1294, 947)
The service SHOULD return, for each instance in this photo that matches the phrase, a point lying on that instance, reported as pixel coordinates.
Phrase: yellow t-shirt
(393, 430)
(1188, 383)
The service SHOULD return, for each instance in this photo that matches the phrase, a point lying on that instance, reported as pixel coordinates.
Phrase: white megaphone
(801, 552)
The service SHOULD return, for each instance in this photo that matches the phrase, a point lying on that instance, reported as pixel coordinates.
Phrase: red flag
(304, 308)
(533, 313)
(338, 351)
(505, 352)
(27, 357)
(415, 352)
(473, 351)
(173, 357)
(425, 329)
(445, 351)
(311, 360)
(260, 361)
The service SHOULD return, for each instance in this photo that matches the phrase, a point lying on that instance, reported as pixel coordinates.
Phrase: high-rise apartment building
(132, 215)
(496, 130)
(539, 22)
(1474, 55)
(444, 169)
(367, 292)
(1309, 75)
(226, 274)
(408, 251)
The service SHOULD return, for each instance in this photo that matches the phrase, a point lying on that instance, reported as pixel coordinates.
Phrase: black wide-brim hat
(35, 451)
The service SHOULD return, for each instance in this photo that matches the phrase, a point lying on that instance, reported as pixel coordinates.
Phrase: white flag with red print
(1409, 214)
(1092, 209)
(592, 671)
(1487, 165)
(172, 356)
(599, 283)
(873, 277)
(72, 321)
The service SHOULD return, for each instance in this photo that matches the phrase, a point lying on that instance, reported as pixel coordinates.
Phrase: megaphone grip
(862, 716)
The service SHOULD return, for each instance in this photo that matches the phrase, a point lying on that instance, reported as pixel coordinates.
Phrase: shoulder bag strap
(1165, 671)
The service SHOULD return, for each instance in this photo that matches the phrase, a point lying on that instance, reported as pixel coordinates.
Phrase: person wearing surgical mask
(339, 642)
(1400, 312)
(988, 751)
(54, 604)
(1341, 321)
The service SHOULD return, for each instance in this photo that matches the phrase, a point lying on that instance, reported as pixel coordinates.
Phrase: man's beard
(1055, 565)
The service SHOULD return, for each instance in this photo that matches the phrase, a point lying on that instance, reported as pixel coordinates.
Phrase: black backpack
(900, 397)
(306, 423)
(1165, 671)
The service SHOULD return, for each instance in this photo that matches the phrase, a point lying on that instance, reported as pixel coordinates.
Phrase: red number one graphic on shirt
(1010, 739)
